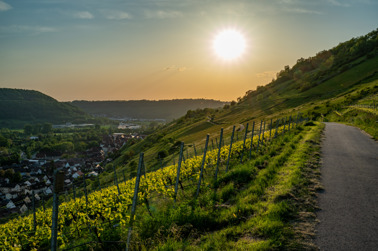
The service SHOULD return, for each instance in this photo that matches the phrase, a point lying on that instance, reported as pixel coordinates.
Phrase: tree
(9, 173)
(50, 168)
(4, 142)
(16, 177)
(28, 129)
(46, 128)
(162, 154)
(36, 128)
(109, 167)
(133, 168)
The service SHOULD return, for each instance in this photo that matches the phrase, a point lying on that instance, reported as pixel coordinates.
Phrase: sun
(229, 44)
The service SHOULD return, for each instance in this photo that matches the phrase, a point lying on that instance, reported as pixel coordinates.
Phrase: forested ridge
(146, 109)
(19, 107)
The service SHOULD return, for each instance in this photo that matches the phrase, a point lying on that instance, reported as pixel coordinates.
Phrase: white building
(11, 205)
(27, 199)
(23, 209)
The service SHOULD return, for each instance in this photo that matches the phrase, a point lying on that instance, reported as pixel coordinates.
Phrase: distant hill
(319, 87)
(19, 107)
(146, 109)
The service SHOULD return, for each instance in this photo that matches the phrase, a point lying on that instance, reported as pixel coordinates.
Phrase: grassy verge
(264, 204)
(363, 118)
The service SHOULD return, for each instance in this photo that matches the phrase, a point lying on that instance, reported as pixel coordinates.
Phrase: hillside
(146, 109)
(340, 84)
(262, 196)
(315, 87)
(19, 107)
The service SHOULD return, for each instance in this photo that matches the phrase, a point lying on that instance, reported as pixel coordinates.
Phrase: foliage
(146, 109)
(20, 107)
(105, 207)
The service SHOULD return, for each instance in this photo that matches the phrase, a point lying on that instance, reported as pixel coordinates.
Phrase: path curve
(349, 204)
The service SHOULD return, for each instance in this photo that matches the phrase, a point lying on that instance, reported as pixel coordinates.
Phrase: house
(48, 182)
(93, 173)
(17, 189)
(27, 199)
(33, 162)
(27, 183)
(11, 205)
(77, 174)
(37, 196)
(47, 191)
(5, 189)
(23, 209)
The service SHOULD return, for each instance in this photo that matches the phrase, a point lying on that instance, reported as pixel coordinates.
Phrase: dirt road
(349, 203)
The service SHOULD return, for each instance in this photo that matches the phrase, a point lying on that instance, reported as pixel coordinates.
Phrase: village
(19, 181)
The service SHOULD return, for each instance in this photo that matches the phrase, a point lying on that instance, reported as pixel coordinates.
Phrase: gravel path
(349, 203)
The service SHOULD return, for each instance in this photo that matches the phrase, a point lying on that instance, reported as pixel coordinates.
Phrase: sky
(163, 49)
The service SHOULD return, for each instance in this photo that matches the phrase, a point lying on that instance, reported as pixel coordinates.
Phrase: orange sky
(122, 50)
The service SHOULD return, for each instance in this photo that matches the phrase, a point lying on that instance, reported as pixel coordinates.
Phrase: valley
(243, 176)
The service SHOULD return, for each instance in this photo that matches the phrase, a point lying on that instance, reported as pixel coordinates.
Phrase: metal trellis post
(229, 151)
(202, 166)
(178, 170)
(135, 198)
(218, 158)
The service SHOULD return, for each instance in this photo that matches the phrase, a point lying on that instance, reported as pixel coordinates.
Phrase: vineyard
(106, 217)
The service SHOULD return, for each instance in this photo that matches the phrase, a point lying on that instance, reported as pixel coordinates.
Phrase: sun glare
(229, 44)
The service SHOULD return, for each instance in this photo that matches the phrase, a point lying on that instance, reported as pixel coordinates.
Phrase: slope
(315, 86)
(264, 203)
(19, 107)
(146, 109)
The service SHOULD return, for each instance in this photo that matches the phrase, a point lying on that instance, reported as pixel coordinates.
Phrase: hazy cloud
(162, 14)
(83, 15)
(338, 3)
(116, 15)
(288, 1)
(175, 68)
(4, 6)
(34, 30)
(303, 11)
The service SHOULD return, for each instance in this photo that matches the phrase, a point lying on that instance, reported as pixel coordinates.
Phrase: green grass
(249, 208)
